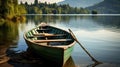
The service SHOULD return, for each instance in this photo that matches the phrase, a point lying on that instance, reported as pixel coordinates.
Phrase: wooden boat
(51, 43)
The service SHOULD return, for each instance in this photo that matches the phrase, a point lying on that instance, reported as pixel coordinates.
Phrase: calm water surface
(100, 35)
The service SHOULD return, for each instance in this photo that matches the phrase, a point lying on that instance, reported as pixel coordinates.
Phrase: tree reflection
(108, 21)
(50, 18)
(9, 36)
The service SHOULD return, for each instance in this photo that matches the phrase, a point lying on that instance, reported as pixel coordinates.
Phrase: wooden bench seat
(52, 40)
(43, 29)
(48, 34)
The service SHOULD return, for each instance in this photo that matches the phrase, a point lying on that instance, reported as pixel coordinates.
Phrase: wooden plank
(34, 36)
(34, 31)
(43, 29)
(53, 40)
(48, 34)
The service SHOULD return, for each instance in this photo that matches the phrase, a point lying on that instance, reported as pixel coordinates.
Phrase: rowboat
(50, 43)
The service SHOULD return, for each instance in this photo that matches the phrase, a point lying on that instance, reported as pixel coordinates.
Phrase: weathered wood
(43, 29)
(2, 55)
(93, 59)
(48, 34)
(40, 43)
(4, 59)
(53, 40)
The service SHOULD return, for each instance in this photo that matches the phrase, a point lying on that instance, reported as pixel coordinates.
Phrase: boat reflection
(69, 63)
(32, 60)
(6, 65)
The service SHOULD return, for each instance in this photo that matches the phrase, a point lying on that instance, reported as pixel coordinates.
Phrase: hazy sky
(49, 1)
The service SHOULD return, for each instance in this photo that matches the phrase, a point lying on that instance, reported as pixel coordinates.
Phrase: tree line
(10, 9)
(47, 8)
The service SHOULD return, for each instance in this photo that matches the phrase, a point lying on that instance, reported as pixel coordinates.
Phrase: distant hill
(80, 3)
(107, 7)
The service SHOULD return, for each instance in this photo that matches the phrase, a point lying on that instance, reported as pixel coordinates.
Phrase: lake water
(100, 35)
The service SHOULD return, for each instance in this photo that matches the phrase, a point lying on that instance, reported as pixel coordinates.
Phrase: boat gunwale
(50, 46)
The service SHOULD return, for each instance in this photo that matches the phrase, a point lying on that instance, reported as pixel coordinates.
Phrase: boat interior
(49, 35)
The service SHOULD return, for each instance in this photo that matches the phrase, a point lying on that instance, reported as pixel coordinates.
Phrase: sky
(49, 1)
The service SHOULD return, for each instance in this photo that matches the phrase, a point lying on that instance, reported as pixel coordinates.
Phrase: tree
(0, 6)
(36, 2)
(21, 3)
(47, 8)
(15, 2)
(54, 11)
(7, 8)
(59, 10)
(94, 12)
(10, 9)
(22, 9)
(26, 3)
(0, 2)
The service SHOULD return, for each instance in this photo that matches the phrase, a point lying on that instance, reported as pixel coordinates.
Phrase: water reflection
(78, 21)
(108, 21)
(99, 34)
(70, 63)
(9, 36)
(51, 19)
(33, 60)
(93, 32)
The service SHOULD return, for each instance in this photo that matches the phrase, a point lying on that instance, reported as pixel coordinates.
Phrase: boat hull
(56, 55)
(51, 43)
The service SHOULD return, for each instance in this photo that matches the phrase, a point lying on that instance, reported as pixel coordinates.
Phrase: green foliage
(94, 12)
(36, 10)
(10, 9)
(22, 9)
(44, 8)
(36, 2)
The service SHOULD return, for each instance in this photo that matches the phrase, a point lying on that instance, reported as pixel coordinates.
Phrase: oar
(93, 59)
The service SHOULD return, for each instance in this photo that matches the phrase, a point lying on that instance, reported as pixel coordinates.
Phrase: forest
(47, 8)
(10, 9)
